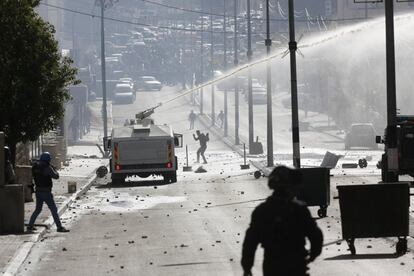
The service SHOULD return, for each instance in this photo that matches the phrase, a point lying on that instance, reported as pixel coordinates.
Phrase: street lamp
(294, 87)
(226, 122)
(236, 83)
(213, 113)
(268, 43)
(103, 70)
(249, 82)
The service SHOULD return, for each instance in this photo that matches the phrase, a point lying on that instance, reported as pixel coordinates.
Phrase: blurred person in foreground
(281, 225)
(43, 172)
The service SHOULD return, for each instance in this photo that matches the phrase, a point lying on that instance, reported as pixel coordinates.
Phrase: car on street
(148, 83)
(126, 80)
(361, 135)
(259, 93)
(124, 93)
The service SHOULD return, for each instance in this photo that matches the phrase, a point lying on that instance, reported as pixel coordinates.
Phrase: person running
(281, 225)
(43, 172)
(203, 138)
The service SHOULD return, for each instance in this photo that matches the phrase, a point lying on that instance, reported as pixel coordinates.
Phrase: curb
(20, 256)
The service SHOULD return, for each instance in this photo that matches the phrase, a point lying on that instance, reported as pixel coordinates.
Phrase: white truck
(141, 148)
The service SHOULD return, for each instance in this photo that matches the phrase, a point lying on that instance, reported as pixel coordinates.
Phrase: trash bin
(315, 188)
(375, 211)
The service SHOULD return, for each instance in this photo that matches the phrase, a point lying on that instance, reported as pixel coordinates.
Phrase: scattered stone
(144, 237)
(116, 244)
(200, 170)
(122, 267)
(111, 256)
(165, 252)
(369, 246)
(183, 245)
(64, 249)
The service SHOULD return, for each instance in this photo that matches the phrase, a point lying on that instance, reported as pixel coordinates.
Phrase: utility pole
(236, 83)
(226, 121)
(249, 81)
(213, 113)
(268, 43)
(202, 61)
(294, 87)
(391, 132)
(103, 70)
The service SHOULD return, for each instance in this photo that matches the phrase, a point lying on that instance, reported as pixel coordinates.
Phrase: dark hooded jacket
(43, 173)
(281, 225)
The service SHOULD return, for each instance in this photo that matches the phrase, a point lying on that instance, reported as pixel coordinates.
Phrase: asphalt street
(195, 226)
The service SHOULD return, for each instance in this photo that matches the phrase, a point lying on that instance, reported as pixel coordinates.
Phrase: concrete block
(24, 176)
(11, 209)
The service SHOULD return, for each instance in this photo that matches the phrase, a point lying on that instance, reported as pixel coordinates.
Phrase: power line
(135, 23)
(127, 21)
(242, 17)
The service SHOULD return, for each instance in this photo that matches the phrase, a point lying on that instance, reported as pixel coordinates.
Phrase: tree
(33, 74)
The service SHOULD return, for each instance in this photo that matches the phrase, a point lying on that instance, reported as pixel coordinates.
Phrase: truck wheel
(144, 175)
(118, 180)
(170, 177)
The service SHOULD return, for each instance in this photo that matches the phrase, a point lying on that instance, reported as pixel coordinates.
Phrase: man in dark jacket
(10, 176)
(203, 139)
(43, 172)
(281, 224)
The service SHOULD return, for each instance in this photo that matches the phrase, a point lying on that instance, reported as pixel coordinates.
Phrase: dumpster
(375, 211)
(315, 188)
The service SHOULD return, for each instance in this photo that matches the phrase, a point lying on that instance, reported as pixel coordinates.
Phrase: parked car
(124, 93)
(361, 135)
(148, 83)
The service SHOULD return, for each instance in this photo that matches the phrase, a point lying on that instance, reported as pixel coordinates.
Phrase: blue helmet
(45, 156)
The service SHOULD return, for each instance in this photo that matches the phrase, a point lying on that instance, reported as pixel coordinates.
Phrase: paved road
(193, 227)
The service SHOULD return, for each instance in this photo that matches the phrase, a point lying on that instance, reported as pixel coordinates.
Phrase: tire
(144, 175)
(401, 247)
(257, 174)
(170, 177)
(118, 179)
(322, 212)
(351, 246)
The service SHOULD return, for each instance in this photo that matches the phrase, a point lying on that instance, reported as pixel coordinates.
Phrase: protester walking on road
(203, 138)
(74, 126)
(43, 172)
(281, 224)
(220, 117)
(191, 117)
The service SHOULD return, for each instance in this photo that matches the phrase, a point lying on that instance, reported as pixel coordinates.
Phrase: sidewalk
(83, 160)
